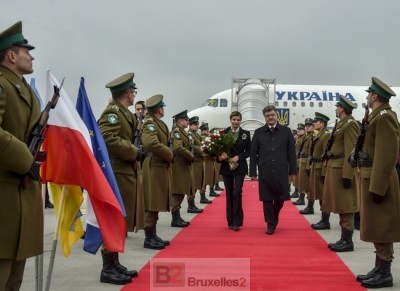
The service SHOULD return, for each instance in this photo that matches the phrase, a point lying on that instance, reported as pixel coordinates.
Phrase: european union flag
(93, 239)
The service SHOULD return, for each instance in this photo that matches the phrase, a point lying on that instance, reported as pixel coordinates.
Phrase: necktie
(272, 129)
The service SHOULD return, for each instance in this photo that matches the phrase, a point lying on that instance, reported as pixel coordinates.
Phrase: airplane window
(320, 104)
(311, 104)
(212, 103)
(294, 104)
(276, 103)
(223, 103)
(285, 104)
(303, 104)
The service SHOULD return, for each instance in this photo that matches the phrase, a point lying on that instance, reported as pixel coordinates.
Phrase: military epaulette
(115, 107)
(350, 120)
(383, 111)
(148, 119)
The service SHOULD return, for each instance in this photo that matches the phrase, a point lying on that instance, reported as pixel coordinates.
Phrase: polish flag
(70, 161)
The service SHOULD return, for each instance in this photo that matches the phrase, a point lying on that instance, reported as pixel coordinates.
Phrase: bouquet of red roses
(217, 143)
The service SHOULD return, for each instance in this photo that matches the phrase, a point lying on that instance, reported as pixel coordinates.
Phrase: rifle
(136, 140)
(360, 140)
(313, 141)
(38, 133)
(329, 145)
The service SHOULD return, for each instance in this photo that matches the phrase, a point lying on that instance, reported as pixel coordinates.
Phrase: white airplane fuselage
(294, 104)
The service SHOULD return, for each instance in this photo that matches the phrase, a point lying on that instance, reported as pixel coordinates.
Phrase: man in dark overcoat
(273, 151)
(21, 206)
(379, 184)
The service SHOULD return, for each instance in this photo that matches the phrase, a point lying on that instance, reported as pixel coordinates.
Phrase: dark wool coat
(275, 156)
(241, 148)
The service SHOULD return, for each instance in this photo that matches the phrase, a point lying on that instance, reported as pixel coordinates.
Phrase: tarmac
(81, 270)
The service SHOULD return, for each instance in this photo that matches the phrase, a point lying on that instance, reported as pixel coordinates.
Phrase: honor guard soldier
(197, 177)
(340, 194)
(208, 168)
(217, 177)
(181, 168)
(379, 183)
(304, 171)
(300, 135)
(157, 170)
(21, 208)
(118, 125)
(317, 148)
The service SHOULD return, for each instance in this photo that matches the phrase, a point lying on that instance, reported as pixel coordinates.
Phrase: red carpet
(294, 258)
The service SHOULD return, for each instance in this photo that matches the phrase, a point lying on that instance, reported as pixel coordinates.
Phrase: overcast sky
(190, 50)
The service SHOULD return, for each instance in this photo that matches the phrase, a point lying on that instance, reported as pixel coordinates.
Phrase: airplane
(294, 103)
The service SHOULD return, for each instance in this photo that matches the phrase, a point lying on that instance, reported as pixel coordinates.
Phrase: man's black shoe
(270, 230)
(49, 205)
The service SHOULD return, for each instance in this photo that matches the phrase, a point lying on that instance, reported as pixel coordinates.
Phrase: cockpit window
(211, 103)
(223, 103)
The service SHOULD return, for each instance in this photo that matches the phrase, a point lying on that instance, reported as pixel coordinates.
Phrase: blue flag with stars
(93, 239)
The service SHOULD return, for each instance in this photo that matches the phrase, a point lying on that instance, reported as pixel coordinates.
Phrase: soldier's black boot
(340, 241)
(217, 187)
(157, 238)
(323, 223)
(300, 201)
(382, 277)
(295, 194)
(122, 269)
(150, 242)
(109, 273)
(309, 209)
(212, 192)
(192, 208)
(203, 199)
(177, 220)
(357, 220)
(371, 273)
(347, 242)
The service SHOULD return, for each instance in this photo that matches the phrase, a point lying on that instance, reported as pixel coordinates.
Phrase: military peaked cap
(346, 103)
(194, 120)
(294, 132)
(122, 83)
(381, 88)
(181, 115)
(321, 117)
(155, 102)
(301, 126)
(204, 126)
(13, 36)
(309, 121)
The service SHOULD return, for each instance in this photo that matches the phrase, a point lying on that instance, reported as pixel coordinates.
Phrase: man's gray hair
(269, 108)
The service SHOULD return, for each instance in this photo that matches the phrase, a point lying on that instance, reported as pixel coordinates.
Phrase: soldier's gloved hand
(308, 172)
(322, 178)
(347, 183)
(41, 156)
(377, 198)
(34, 172)
(352, 161)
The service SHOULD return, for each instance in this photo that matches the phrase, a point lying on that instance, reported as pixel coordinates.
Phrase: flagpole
(54, 246)
(39, 258)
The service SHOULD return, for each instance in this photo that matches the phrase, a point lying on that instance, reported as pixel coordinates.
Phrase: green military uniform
(340, 195)
(304, 179)
(21, 206)
(182, 167)
(198, 161)
(318, 147)
(379, 186)
(298, 146)
(118, 126)
(157, 171)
